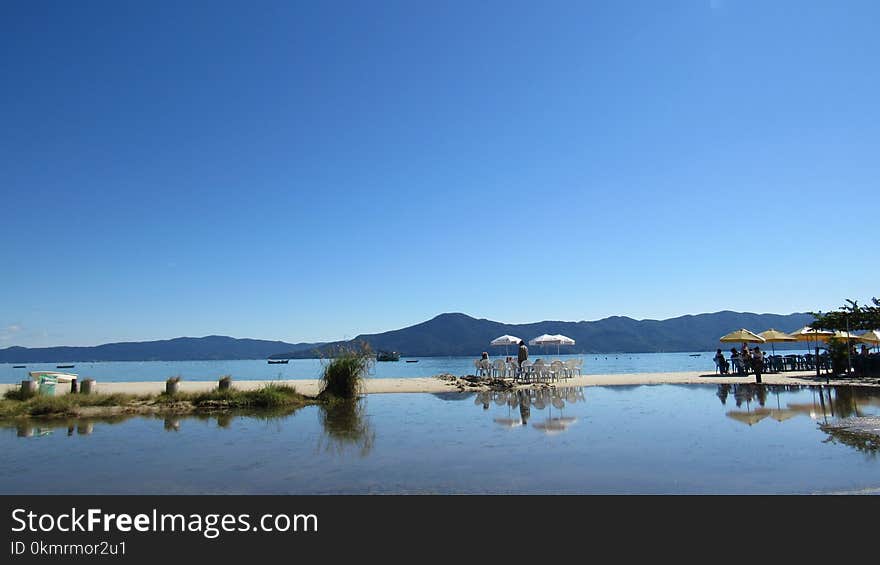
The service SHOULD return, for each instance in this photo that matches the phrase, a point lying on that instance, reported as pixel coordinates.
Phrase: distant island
(450, 334)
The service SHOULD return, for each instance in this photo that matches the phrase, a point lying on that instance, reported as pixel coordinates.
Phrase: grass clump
(268, 396)
(64, 405)
(344, 373)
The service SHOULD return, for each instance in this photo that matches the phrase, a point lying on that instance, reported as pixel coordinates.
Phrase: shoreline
(437, 384)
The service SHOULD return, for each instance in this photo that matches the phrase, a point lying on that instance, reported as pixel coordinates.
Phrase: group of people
(743, 359)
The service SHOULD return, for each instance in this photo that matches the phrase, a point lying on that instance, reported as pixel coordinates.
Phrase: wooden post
(28, 388)
(171, 387)
(88, 387)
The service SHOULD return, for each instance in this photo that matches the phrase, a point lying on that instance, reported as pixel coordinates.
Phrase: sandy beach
(310, 387)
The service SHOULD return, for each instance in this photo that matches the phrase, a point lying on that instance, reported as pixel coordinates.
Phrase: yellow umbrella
(775, 336)
(872, 337)
(742, 335)
(807, 333)
(772, 335)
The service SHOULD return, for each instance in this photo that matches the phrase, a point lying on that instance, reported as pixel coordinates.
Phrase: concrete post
(171, 387)
(28, 388)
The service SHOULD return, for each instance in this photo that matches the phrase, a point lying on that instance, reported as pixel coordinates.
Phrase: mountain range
(212, 347)
(450, 334)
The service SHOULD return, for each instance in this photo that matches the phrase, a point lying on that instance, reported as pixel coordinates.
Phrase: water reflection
(521, 401)
(827, 401)
(346, 424)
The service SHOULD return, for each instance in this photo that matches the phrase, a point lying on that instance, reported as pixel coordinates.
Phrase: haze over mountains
(449, 334)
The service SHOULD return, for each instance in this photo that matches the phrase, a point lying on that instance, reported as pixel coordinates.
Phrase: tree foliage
(849, 316)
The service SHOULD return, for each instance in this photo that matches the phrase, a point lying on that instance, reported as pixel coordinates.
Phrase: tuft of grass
(14, 394)
(343, 375)
(65, 405)
(268, 396)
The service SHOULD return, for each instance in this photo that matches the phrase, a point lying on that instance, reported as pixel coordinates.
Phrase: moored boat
(388, 356)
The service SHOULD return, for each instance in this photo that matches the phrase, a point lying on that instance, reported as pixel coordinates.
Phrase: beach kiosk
(51, 383)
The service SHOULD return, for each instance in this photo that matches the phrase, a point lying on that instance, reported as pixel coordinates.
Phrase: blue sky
(313, 170)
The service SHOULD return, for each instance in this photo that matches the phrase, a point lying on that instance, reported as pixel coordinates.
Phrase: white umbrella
(505, 340)
(550, 339)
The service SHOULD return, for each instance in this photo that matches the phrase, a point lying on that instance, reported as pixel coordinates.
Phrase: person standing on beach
(523, 354)
(757, 363)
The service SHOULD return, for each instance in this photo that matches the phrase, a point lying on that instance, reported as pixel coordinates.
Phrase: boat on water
(19, 366)
(695, 354)
(412, 360)
(387, 356)
(64, 366)
(275, 361)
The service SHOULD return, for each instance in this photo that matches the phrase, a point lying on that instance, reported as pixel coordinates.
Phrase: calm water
(311, 368)
(642, 439)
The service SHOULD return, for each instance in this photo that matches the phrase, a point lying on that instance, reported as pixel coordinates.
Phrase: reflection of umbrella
(550, 426)
(505, 340)
(749, 418)
(742, 335)
(508, 422)
(550, 339)
(812, 409)
(775, 336)
(781, 415)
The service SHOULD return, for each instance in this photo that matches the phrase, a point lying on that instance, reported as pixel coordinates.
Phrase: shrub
(344, 373)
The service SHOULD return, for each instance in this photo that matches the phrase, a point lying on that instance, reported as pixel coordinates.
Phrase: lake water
(311, 368)
(620, 439)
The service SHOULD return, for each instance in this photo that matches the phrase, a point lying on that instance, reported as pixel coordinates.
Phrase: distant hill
(460, 334)
(179, 349)
(444, 335)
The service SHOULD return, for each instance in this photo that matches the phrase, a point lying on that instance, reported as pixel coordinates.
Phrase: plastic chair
(526, 371)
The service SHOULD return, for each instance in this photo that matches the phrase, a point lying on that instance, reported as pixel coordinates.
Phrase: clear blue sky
(311, 171)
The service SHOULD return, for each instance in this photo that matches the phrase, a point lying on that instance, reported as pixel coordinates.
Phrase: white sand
(432, 384)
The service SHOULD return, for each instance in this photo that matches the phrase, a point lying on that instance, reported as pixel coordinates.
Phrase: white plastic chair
(557, 370)
(499, 368)
(526, 371)
(540, 370)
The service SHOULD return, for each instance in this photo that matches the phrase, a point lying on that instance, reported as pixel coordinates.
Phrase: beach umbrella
(775, 336)
(872, 337)
(550, 339)
(505, 340)
(743, 336)
(808, 334)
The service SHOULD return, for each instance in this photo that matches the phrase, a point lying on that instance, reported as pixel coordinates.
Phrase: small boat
(412, 360)
(19, 366)
(64, 366)
(695, 354)
(274, 361)
(388, 356)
